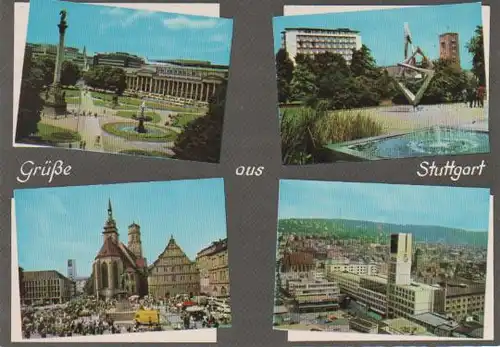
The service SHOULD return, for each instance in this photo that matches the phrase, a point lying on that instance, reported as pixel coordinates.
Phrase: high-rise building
(71, 269)
(449, 48)
(400, 259)
(310, 41)
(399, 273)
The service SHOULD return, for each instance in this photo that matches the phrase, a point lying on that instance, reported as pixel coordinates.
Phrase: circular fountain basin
(129, 128)
(426, 142)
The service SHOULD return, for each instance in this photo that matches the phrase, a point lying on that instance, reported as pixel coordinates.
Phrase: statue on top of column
(63, 25)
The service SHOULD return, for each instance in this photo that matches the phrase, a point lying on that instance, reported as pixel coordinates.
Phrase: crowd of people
(88, 316)
(474, 97)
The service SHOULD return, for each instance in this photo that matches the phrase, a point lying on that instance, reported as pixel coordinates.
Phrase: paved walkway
(88, 126)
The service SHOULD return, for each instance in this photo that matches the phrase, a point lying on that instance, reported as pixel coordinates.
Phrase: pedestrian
(470, 97)
(480, 96)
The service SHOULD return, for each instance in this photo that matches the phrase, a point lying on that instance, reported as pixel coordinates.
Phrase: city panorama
(84, 265)
(382, 259)
(353, 89)
(163, 96)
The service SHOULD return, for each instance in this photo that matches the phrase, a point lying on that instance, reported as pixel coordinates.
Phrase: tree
(284, 73)
(476, 47)
(70, 73)
(30, 101)
(303, 84)
(106, 77)
(202, 137)
(363, 64)
(47, 67)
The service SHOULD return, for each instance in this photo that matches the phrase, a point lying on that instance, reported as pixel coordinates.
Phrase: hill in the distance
(354, 229)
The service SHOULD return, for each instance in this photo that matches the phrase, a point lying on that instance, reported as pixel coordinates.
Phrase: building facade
(449, 47)
(119, 270)
(313, 295)
(118, 59)
(310, 41)
(297, 262)
(212, 263)
(464, 300)
(46, 287)
(72, 269)
(176, 83)
(173, 273)
(71, 54)
(346, 266)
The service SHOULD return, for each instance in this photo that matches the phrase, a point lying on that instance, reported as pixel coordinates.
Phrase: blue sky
(154, 35)
(455, 207)
(383, 30)
(57, 224)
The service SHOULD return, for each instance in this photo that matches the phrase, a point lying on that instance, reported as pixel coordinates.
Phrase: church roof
(109, 249)
(171, 246)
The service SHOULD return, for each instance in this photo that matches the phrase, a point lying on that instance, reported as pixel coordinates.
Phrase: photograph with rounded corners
(378, 84)
(379, 261)
(128, 81)
(105, 261)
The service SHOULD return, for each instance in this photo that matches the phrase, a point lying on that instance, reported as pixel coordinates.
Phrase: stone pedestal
(55, 101)
(140, 127)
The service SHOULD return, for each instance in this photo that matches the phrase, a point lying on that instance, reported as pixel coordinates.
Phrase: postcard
(382, 83)
(367, 261)
(160, 97)
(132, 262)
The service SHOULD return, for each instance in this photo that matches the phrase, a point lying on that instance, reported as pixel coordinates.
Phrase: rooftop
(342, 30)
(436, 320)
(42, 275)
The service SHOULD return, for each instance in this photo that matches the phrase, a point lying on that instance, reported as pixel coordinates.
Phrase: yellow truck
(147, 317)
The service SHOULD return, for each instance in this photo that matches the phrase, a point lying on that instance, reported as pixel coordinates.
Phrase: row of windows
(187, 72)
(325, 39)
(331, 32)
(176, 278)
(220, 275)
(176, 269)
(40, 283)
(347, 55)
(340, 47)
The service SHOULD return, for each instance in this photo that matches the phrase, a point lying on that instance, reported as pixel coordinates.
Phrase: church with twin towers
(121, 270)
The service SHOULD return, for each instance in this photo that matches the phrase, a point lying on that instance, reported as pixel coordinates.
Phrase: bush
(305, 131)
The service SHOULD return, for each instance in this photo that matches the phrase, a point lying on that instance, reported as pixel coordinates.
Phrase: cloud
(183, 22)
(123, 17)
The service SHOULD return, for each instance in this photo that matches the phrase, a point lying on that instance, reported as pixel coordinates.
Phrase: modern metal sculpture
(409, 68)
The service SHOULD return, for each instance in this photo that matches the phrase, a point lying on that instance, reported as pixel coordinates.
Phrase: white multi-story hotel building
(310, 41)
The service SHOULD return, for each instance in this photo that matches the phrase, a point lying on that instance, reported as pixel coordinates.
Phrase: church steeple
(110, 211)
(110, 229)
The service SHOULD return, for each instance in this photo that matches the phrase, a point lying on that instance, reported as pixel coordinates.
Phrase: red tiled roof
(298, 258)
(109, 249)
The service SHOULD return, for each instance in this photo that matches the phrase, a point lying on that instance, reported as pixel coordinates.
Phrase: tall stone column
(60, 49)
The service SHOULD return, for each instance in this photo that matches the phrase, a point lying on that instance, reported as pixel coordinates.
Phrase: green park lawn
(72, 93)
(150, 116)
(182, 119)
(51, 133)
